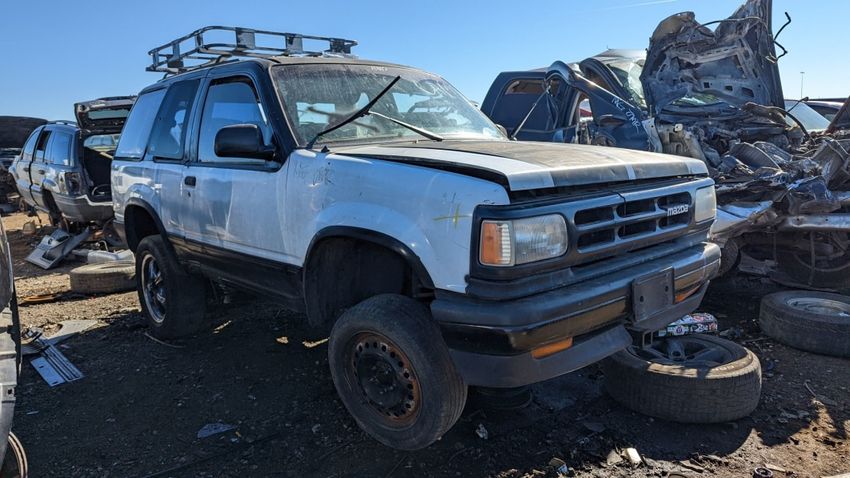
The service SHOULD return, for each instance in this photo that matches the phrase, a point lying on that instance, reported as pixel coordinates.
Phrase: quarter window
(59, 151)
(169, 131)
(229, 102)
(134, 136)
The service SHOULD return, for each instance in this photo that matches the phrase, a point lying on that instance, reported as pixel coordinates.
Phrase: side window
(228, 102)
(59, 150)
(29, 146)
(169, 130)
(519, 97)
(41, 146)
(134, 136)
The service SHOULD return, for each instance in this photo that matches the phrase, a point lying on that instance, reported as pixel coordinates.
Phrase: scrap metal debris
(211, 429)
(68, 329)
(55, 247)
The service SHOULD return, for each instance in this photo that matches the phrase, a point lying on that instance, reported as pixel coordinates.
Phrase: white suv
(377, 200)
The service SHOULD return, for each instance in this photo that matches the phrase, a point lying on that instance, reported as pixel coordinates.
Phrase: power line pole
(802, 74)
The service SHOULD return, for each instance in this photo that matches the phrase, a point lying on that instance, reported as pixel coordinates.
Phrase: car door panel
(24, 166)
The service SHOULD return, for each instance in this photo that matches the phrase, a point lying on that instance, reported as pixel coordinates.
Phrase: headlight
(520, 241)
(705, 204)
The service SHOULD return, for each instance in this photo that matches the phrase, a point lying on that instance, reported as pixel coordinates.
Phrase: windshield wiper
(415, 129)
(357, 114)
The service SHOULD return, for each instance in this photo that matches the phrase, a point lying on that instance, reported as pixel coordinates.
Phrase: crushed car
(783, 190)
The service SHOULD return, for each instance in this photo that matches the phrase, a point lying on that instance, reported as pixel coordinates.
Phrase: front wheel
(173, 301)
(393, 372)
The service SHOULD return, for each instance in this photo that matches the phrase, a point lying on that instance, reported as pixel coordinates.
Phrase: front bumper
(491, 341)
(83, 209)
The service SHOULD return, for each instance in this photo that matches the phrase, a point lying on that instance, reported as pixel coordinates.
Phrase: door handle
(190, 180)
(27, 168)
(41, 171)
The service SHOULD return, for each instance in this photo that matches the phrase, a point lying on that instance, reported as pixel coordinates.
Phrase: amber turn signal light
(552, 348)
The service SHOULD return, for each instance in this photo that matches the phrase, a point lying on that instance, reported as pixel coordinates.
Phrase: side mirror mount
(242, 141)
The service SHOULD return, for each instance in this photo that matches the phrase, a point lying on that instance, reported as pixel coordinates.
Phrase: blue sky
(59, 52)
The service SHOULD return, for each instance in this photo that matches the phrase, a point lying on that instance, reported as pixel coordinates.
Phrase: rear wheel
(173, 301)
(393, 372)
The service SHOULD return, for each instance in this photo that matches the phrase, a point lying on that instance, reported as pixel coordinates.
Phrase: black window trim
(217, 77)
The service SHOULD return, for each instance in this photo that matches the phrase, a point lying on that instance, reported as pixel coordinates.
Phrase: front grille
(632, 220)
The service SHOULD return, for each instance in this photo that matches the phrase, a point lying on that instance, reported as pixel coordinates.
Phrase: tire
(104, 278)
(15, 462)
(182, 314)
(687, 393)
(817, 322)
(422, 394)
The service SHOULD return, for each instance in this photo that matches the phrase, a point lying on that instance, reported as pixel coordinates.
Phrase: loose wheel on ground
(689, 379)
(818, 322)
(393, 372)
(103, 278)
(172, 300)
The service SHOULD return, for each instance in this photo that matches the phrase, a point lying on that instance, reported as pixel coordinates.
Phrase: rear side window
(134, 136)
(59, 150)
(41, 146)
(169, 130)
(518, 98)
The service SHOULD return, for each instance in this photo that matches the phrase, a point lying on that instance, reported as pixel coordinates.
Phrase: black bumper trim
(486, 370)
(515, 326)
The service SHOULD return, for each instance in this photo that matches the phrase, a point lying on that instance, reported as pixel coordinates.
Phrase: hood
(687, 64)
(103, 115)
(520, 165)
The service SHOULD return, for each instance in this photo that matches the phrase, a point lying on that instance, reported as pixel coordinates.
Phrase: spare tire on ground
(688, 379)
(817, 322)
(104, 278)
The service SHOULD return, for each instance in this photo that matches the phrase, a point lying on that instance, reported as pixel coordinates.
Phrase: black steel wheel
(393, 372)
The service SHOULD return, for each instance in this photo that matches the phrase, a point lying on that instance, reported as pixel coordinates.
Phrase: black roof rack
(191, 52)
(67, 122)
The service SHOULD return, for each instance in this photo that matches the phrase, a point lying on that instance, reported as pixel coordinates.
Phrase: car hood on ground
(523, 165)
(103, 115)
(736, 63)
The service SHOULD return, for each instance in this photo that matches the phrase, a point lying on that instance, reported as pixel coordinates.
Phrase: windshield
(316, 96)
(628, 72)
(811, 119)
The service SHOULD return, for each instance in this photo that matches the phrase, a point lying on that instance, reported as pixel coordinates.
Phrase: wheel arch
(140, 221)
(322, 306)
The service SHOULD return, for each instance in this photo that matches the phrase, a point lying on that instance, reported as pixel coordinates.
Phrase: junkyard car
(715, 96)
(64, 167)
(14, 131)
(378, 200)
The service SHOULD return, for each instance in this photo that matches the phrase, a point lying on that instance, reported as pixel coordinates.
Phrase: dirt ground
(138, 410)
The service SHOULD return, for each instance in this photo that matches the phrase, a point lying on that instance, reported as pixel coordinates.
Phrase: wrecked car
(377, 200)
(14, 131)
(63, 168)
(713, 95)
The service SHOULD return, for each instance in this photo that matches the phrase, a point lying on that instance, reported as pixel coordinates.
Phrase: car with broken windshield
(714, 95)
(382, 204)
(63, 168)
